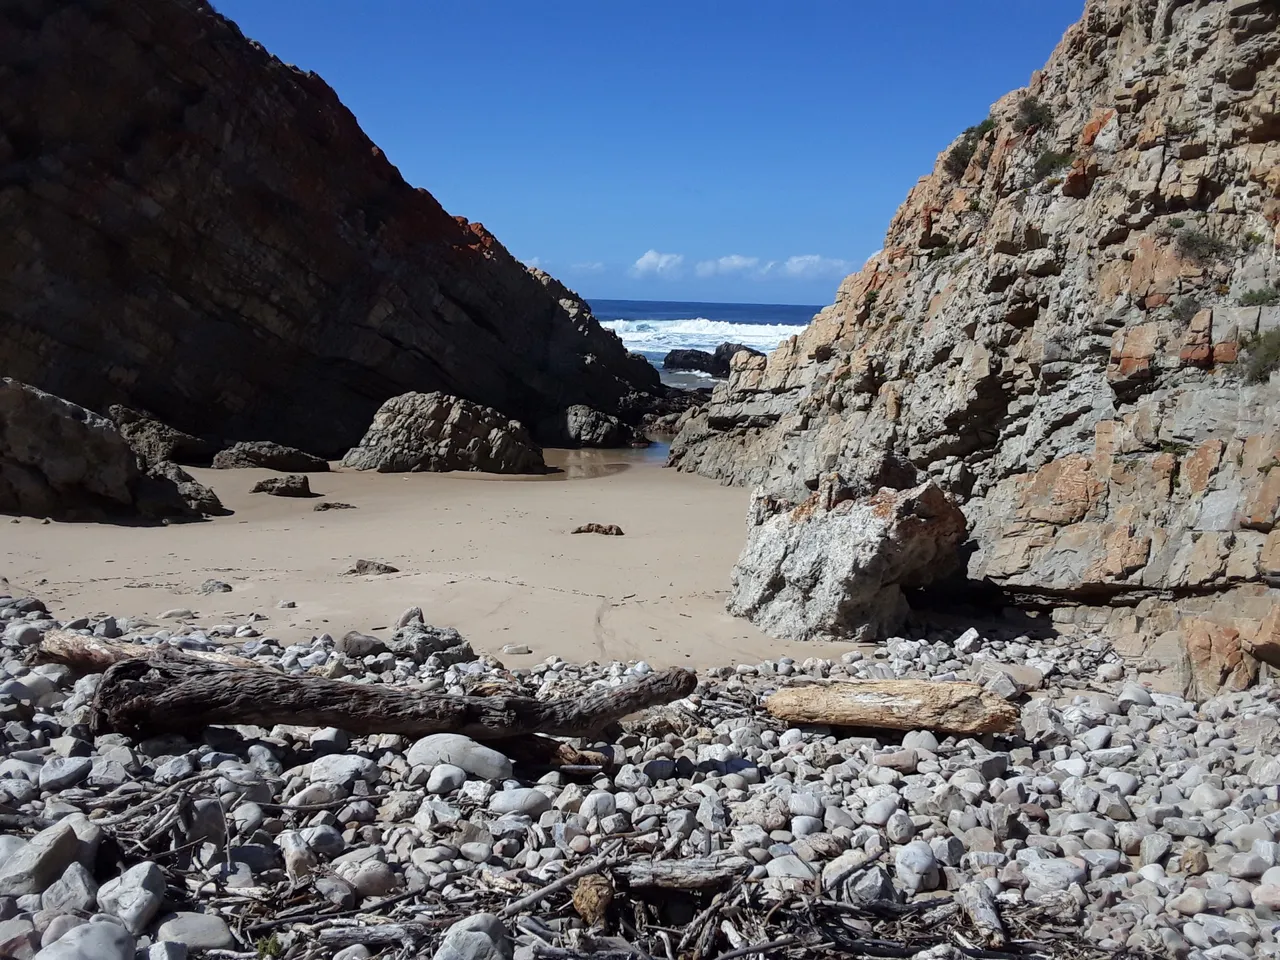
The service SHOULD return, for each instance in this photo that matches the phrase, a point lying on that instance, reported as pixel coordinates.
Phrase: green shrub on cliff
(1050, 162)
(1032, 113)
(1262, 297)
(1195, 244)
(1263, 356)
(959, 156)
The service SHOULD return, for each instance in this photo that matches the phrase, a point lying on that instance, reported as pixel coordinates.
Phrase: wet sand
(491, 556)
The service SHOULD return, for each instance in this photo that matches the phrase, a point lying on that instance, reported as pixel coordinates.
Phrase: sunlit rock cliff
(1072, 328)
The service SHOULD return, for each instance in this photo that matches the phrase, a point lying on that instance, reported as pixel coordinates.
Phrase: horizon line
(737, 303)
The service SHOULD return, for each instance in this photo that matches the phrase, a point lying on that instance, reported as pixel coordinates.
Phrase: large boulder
(716, 364)
(157, 442)
(60, 460)
(160, 448)
(270, 456)
(437, 432)
(833, 566)
(166, 482)
(686, 359)
(581, 426)
(725, 353)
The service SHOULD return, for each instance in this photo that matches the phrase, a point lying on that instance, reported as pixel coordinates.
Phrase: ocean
(653, 327)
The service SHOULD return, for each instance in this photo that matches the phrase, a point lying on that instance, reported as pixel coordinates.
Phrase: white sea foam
(698, 333)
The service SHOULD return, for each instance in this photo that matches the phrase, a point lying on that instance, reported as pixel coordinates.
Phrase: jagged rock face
(60, 460)
(833, 567)
(157, 442)
(268, 456)
(715, 363)
(167, 483)
(437, 432)
(1054, 331)
(580, 426)
(191, 227)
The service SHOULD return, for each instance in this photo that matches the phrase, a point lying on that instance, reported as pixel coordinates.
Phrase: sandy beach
(490, 556)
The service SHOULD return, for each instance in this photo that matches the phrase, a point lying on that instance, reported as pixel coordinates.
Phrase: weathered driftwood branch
(697, 874)
(979, 903)
(176, 692)
(95, 655)
(962, 708)
(408, 934)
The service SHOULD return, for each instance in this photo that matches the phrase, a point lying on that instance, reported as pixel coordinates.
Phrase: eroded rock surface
(157, 442)
(580, 426)
(191, 227)
(1054, 332)
(268, 455)
(436, 432)
(835, 565)
(58, 459)
(715, 363)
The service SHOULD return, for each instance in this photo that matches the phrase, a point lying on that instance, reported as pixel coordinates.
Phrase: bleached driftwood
(948, 707)
(696, 874)
(979, 903)
(96, 654)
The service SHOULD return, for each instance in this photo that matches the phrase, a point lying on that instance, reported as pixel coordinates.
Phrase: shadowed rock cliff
(190, 227)
(1071, 327)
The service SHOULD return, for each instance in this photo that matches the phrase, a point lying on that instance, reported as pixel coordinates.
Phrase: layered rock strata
(1072, 326)
(190, 227)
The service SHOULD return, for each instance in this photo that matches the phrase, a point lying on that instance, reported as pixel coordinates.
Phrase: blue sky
(677, 149)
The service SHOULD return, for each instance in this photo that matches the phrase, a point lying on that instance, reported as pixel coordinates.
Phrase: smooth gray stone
(102, 940)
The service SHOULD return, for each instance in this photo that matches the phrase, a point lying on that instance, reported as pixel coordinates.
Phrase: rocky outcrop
(716, 363)
(290, 485)
(268, 456)
(686, 359)
(834, 566)
(60, 460)
(165, 479)
(157, 442)
(580, 426)
(1054, 332)
(437, 432)
(190, 227)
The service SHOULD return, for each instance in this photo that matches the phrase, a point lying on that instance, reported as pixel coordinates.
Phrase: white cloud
(734, 263)
(593, 267)
(660, 264)
(533, 262)
(812, 265)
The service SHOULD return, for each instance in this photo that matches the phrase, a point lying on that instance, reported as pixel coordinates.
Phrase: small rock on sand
(291, 485)
(605, 529)
(366, 567)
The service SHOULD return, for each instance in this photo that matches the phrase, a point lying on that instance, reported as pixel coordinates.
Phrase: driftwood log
(979, 904)
(695, 874)
(158, 691)
(95, 654)
(948, 707)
